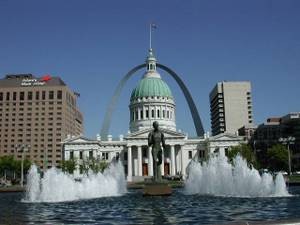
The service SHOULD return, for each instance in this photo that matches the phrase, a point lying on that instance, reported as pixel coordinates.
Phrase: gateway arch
(113, 102)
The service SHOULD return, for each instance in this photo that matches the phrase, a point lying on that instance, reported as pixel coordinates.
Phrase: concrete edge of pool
(267, 222)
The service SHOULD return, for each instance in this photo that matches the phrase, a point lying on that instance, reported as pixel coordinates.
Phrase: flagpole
(150, 31)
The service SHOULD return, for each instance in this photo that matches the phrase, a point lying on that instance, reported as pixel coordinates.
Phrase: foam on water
(220, 178)
(57, 186)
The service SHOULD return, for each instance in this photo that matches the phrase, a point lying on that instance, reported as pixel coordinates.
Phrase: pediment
(78, 139)
(225, 137)
(143, 134)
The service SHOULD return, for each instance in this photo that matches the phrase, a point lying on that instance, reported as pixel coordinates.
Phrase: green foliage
(245, 151)
(277, 158)
(87, 164)
(10, 165)
(68, 166)
(97, 165)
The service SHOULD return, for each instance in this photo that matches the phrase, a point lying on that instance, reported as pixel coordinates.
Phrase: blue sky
(93, 44)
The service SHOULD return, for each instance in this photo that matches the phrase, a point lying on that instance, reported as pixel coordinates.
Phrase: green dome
(150, 87)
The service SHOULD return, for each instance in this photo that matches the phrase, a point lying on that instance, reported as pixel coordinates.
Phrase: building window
(190, 154)
(14, 96)
(90, 154)
(158, 114)
(226, 151)
(43, 95)
(29, 95)
(80, 155)
(37, 95)
(71, 155)
(145, 152)
(105, 155)
(22, 95)
(164, 114)
(59, 94)
(1, 96)
(7, 96)
(142, 114)
(147, 113)
(152, 113)
(51, 94)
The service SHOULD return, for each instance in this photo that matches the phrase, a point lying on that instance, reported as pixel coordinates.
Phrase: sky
(92, 44)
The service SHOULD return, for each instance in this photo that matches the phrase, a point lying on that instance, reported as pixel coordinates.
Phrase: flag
(153, 26)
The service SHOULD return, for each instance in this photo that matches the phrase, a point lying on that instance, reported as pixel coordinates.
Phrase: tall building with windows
(38, 112)
(230, 106)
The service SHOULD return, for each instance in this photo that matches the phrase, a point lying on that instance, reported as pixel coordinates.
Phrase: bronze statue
(156, 140)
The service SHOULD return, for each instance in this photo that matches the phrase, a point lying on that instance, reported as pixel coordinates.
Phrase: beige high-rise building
(38, 113)
(230, 106)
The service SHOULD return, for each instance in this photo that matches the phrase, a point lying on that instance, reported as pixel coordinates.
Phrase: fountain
(218, 177)
(57, 186)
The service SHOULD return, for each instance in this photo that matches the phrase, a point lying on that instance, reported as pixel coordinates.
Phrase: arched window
(136, 115)
(142, 114)
(164, 113)
(147, 113)
(152, 113)
(158, 113)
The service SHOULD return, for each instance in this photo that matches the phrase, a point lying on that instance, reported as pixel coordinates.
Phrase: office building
(230, 106)
(38, 113)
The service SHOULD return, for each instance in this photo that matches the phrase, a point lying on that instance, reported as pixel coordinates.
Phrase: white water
(57, 186)
(220, 178)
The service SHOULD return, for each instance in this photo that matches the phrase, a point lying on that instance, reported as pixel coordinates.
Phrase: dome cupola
(151, 100)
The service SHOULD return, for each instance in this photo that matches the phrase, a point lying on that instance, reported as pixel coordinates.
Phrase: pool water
(133, 208)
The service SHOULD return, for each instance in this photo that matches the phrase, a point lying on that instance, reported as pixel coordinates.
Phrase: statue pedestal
(157, 189)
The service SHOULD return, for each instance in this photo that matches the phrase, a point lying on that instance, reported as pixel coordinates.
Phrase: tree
(97, 165)
(277, 158)
(68, 166)
(11, 167)
(245, 151)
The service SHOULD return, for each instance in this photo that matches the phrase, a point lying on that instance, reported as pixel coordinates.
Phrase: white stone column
(182, 162)
(222, 151)
(94, 154)
(150, 162)
(140, 164)
(173, 162)
(67, 155)
(163, 163)
(129, 163)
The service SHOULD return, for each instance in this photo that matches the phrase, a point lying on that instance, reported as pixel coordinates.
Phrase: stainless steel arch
(188, 97)
(112, 105)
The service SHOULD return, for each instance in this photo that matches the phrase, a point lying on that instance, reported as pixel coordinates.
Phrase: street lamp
(288, 141)
(22, 148)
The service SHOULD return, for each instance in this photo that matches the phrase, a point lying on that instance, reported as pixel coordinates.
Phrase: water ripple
(133, 208)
